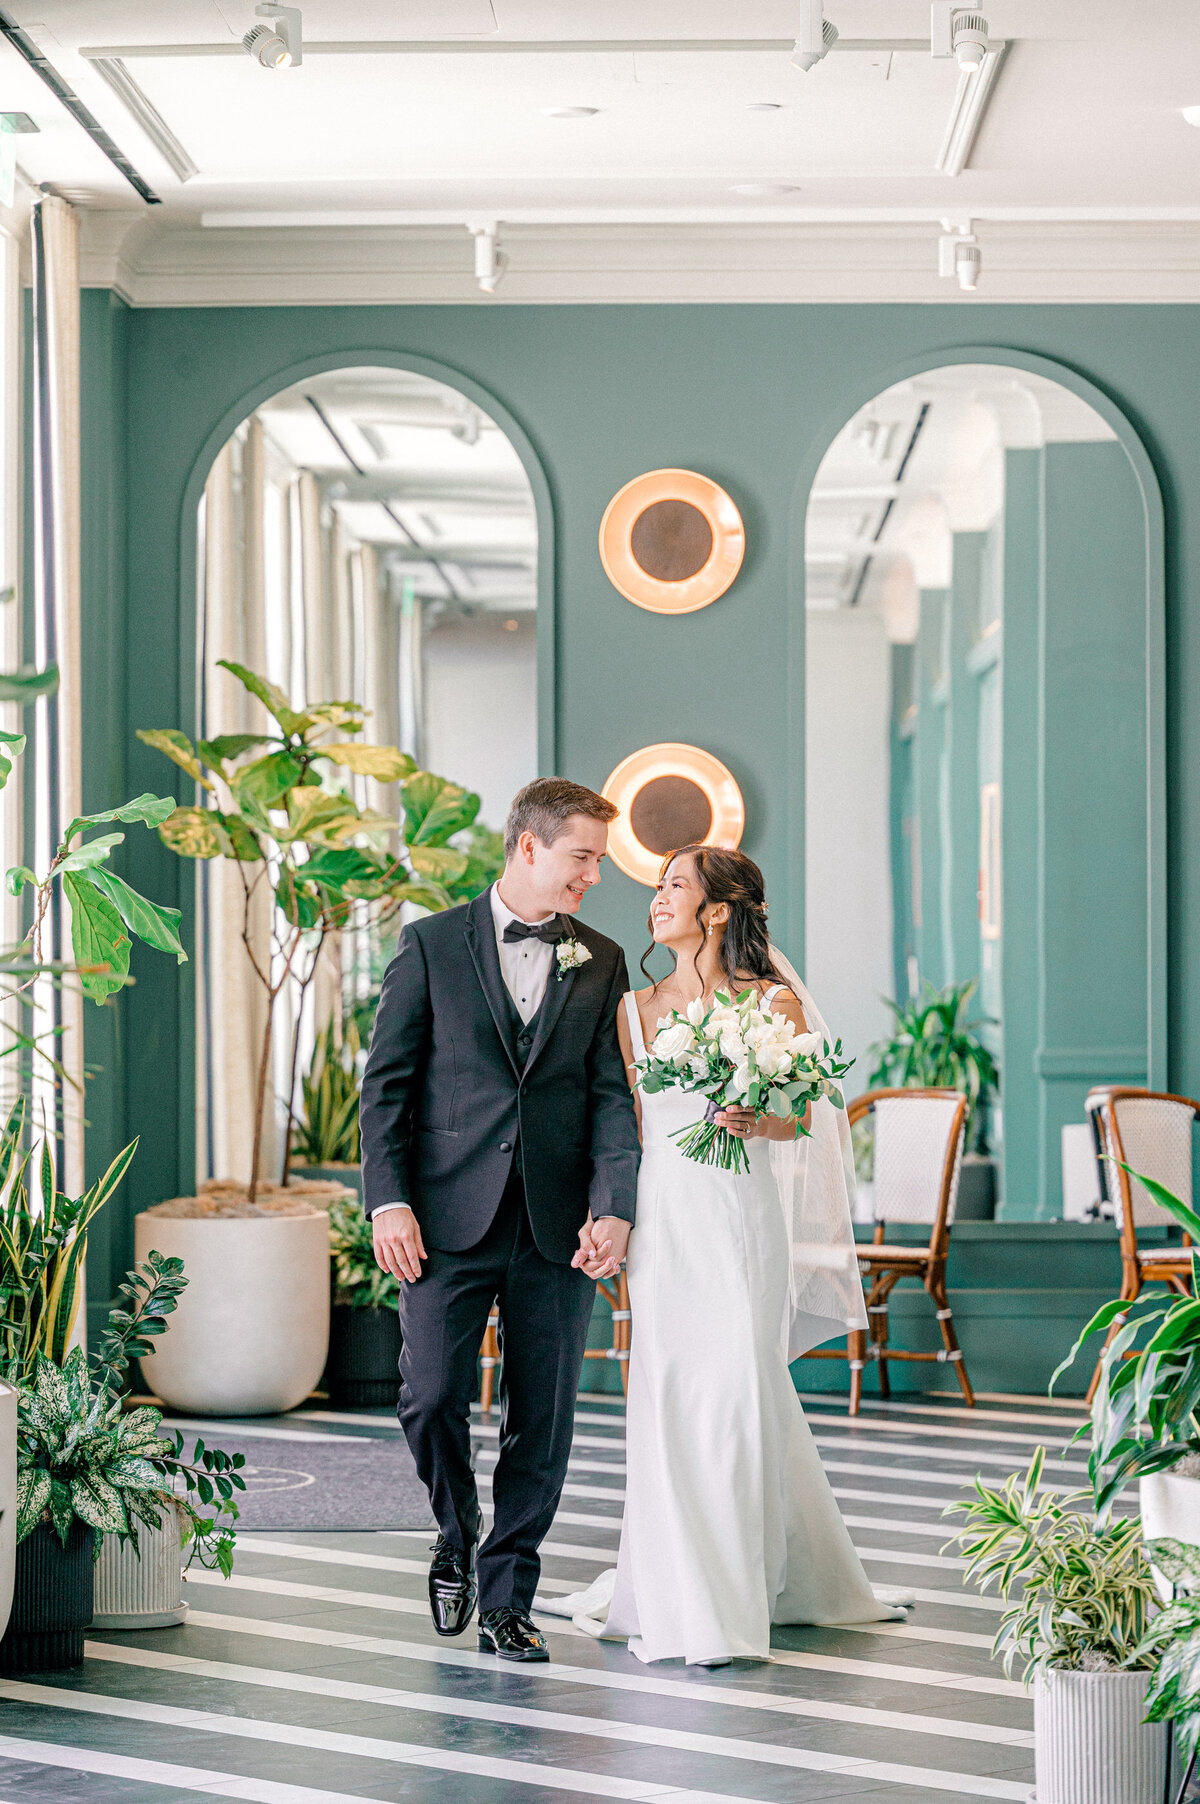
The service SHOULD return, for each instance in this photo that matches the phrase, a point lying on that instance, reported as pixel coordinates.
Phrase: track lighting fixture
(959, 255)
(490, 261)
(815, 37)
(277, 44)
(960, 32)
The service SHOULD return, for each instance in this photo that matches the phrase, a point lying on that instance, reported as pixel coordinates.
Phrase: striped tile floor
(314, 1676)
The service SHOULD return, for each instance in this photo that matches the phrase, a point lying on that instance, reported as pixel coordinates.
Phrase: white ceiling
(411, 113)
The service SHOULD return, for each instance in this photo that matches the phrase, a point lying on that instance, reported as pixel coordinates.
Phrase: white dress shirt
(525, 968)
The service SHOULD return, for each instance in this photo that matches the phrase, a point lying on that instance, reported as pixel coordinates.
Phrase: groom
(500, 1155)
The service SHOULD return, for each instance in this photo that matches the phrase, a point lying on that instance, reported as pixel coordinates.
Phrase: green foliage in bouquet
(271, 805)
(1079, 1592)
(358, 1280)
(43, 1242)
(327, 1132)
(1146, 1412)
(934, 1046)
(739, 1055)
(1172, 1646)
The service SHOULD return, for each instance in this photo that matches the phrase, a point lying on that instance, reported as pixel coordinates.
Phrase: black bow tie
(548, 931)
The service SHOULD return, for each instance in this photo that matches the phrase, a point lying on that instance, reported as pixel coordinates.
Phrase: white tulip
(696, 1011)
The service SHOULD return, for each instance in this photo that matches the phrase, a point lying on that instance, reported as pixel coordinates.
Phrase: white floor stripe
(559, 1723)
(559, 1673)
(255, 1431)
(932, 1431)
(933, 1456)
(894, 1406)
(201, 1779)
(366, 1747)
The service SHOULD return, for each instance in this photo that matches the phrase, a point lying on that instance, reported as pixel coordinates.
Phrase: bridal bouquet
(739, 1055)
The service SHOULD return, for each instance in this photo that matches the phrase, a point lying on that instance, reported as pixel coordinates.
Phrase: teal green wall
(749, 394)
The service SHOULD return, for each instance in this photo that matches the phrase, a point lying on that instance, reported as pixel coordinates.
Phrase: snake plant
(933, 1046)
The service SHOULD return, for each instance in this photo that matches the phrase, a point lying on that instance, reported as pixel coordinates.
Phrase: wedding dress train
(730, 1524)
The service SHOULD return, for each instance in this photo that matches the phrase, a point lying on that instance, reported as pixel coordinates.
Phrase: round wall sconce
(670, 795)
(671, 541)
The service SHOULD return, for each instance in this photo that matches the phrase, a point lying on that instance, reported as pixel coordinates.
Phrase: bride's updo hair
(728, 876)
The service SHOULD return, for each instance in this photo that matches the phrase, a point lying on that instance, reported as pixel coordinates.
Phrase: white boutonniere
(570, 953)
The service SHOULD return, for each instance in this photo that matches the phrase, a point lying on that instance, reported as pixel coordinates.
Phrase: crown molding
(157, 262)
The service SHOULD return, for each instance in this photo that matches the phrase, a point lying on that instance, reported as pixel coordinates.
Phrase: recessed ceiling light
(764, 188)
(765, 106)
(570, 112)
(1191, 114)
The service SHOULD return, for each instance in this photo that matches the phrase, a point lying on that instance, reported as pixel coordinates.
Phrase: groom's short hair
(544, 807)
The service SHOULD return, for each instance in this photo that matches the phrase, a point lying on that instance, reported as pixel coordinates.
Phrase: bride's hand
(742, 1122)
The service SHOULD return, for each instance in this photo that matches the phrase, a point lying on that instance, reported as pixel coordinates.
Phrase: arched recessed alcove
(982, 610)
(367, 533)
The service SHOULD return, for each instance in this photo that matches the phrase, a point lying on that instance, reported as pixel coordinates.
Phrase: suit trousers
(545, 1309)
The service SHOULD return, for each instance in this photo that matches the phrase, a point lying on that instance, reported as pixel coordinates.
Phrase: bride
(730, 1524)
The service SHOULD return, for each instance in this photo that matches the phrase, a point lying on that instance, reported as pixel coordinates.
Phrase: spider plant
(1079, 1592)
(1146, 1411)
(934, 1046)
(328, 1132)
(42, 1247)
(358, 1280)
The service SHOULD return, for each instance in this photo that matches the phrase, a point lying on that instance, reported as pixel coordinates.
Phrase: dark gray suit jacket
(446, 1100)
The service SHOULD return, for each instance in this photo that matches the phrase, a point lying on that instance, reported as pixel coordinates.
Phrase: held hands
(399, 1248)
(603, 1244)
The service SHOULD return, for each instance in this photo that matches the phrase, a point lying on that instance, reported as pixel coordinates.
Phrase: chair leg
(937, 1291)
(856, 1350)
(621, 1334)
(489, 1355)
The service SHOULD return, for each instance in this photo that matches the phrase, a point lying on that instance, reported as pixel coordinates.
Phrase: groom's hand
(603, 1243)
(399, 1248)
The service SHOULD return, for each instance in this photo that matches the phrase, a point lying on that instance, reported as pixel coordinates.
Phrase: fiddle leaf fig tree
(274, 804)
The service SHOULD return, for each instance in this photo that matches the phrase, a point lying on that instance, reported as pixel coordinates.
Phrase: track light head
(969, 39)
(490, 261)
(960, 256)
(277, 44)
(815, 37)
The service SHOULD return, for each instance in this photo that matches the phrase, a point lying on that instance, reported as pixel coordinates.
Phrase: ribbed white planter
(1170, 1508)
(145, 1592)
(8, 1499)
(1091, 1745)
(251, 1332)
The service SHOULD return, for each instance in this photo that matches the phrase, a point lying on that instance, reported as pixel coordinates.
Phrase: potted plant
(364, 1342)
(1145, 1418)
(325, 1141)
(1173, 1638)
(934, 1046)
(1079, 1594)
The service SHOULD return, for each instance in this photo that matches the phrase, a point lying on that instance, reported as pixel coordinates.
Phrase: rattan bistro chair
(615, 1291)
(1150, 1130)
(918, 1156)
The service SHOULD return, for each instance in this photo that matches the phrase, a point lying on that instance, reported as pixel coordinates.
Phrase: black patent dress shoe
(451, 1587)
(510, 1635)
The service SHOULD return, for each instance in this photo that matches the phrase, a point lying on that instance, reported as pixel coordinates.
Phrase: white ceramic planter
(8, 1499)
(1170, 1508)
(145, 1592)
(251, 1333)
(1091, 1745)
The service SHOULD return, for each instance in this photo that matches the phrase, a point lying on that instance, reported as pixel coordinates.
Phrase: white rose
(674, 1043)
(738, 1087)
(732, 1045)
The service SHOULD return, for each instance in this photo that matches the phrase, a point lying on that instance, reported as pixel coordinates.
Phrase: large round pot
(8, 1499)
(52, 1601)
(1170, 1508)
(1090, 1743)
(364, 1357)
(142, 1589)
(251, 1332)
(348, 1175)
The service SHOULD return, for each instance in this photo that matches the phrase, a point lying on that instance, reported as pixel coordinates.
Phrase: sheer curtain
(56, 566)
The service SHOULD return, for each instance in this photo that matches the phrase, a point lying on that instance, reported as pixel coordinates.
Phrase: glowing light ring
(714, 576)
(670, 760)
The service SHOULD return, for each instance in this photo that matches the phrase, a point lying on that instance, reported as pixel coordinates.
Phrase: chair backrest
(918, 1154)
(1151, 1131)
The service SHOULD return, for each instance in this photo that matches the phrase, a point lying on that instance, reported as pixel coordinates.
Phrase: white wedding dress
(730, 1524)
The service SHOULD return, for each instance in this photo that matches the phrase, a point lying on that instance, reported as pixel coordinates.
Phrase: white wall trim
(166, 263)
